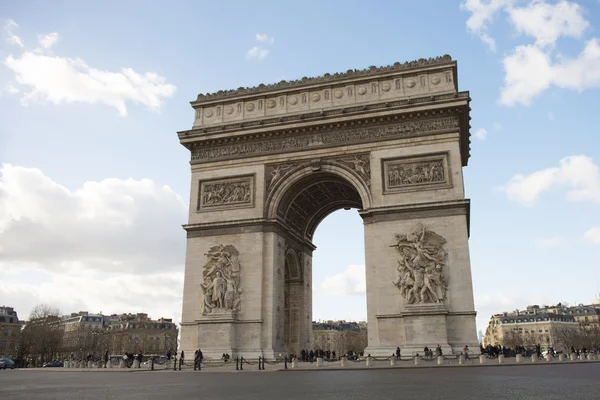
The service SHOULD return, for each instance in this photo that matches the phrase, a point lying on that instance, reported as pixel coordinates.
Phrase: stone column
(369, 361)
(501, 359)
(319, 362)
(534, 357)
(440, 360)
(561, 357)
(461, 359)
(109, 363)
(548, 357)
(417, 359)
(482, 359)
(295, 363)
(519, 358)
(393, 361)
(343, 361)
(572, 357)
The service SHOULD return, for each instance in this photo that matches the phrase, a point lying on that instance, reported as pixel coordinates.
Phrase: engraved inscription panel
(416, 173)
(234, 192)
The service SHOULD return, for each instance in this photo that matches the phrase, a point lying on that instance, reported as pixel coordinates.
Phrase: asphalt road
(576, 381)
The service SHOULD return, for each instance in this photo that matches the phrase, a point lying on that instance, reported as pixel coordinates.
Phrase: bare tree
(513, 339)
(43, 332)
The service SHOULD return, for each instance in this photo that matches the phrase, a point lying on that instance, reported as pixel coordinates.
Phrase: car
(7, 363)
(54, 364)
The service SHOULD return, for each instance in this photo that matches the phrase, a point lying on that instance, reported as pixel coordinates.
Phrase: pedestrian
(466, 350)
(106, 359)
(140, 357)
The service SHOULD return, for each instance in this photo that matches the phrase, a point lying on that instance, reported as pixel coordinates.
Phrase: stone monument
(269, 163)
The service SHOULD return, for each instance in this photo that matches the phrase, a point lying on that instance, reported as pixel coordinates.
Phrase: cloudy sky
(94, 185)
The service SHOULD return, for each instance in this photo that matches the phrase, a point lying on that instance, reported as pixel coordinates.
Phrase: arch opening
(312, 198)
(303, 204)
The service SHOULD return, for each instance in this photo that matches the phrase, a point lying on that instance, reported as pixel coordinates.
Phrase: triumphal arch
(269, 163)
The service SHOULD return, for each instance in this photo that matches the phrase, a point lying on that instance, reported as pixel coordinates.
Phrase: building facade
(93, 334)
(340, 336)
(558, 326)
(131, 333)
(10, 332)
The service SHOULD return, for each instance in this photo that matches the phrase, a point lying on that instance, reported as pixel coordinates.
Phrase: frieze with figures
(226, 193)
(328, 138)
(416, 173)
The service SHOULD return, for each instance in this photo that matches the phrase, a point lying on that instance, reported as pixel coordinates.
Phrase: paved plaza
(568, 381)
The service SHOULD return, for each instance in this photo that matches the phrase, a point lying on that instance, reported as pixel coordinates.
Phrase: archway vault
(307, 194)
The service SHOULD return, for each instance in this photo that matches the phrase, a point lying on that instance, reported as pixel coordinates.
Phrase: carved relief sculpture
(421, 264)
(337, 137)
(230, 192)
(221, 281)
(424, 172)
(416, 173)
(276, 172)
(361, 164)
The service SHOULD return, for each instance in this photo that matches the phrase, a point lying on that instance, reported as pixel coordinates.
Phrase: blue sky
(94, 184)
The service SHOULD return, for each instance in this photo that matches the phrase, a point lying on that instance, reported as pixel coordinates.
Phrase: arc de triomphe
(270, 162)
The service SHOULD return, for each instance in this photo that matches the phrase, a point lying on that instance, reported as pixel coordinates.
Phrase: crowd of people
(327, 355)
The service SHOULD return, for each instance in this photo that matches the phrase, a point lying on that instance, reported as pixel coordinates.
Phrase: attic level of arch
(216, 133)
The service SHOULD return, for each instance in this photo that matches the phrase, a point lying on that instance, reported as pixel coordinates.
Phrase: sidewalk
(327, 366)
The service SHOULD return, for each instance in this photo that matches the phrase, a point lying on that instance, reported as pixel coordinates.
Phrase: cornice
(326, 78)
(420, 210)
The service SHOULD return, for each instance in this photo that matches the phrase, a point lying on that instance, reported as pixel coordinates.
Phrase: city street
(572, 381)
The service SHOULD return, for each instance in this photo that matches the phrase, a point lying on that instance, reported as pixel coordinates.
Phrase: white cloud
(550, 115)
(48, 40)
(10, 36)
(257, 52)
(70, 80)
(580, 173)
(10, 88)
(498, 126)
(110, 226)
(262, 37)
(351, 281)
(530, 68)
(109, 245)
(483, 13)
(593, 235)
(158, 294)
(540, 20)
(545, 243)
(480, 133)
(547, 22)
(530, 71)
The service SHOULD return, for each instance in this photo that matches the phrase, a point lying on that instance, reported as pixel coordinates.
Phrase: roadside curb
(442, 366)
